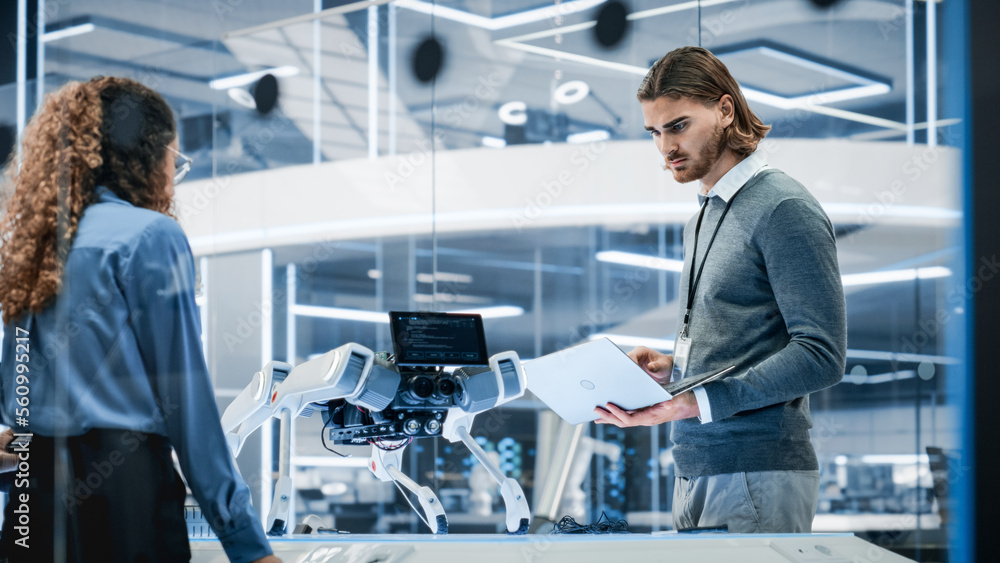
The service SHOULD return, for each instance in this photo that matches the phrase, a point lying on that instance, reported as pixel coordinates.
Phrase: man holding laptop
(760, 290)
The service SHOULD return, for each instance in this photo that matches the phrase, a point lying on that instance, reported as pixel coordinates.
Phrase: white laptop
(575, 380)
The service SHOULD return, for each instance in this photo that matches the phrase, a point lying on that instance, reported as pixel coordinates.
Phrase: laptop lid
(575, 380)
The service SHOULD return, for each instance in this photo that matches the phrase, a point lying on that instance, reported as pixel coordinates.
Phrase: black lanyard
(692, 280)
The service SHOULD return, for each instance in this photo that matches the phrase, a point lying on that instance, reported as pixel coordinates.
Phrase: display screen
(438, 339)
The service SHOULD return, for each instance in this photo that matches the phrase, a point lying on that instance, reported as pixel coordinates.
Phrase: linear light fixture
(68, 32)
(594, 136)
(893, 459)
(880, 355)
(863, 86)
(867, 278)
(500, 22)
(890, 276)
(905, 211)
(329, 461)
(429, 278)
(662, 344)
(494, 142)
(495, 312)
(879, 135)
(444, 277)
(817, 99)
(249, 77)
(640, 260)
(451, 299)
(900, 459)
(340, 313)
(876, 378)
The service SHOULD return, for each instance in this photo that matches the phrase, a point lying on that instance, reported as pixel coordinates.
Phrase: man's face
(689, 135)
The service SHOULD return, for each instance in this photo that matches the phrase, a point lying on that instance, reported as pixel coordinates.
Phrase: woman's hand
(8, 461)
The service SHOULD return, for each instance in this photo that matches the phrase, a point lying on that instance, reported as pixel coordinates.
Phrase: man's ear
(727, 110)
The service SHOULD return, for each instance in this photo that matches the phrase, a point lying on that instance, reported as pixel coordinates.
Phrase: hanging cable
(322, 433)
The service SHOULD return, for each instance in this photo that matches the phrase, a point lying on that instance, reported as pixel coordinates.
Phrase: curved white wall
(535, 186)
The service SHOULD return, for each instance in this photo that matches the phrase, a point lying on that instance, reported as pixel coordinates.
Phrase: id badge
(682, 350)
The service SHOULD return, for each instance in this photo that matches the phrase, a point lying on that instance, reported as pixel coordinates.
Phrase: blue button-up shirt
(120, 348)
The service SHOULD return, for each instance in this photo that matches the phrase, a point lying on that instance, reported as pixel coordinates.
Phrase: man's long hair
(109, 132)
(693, 72)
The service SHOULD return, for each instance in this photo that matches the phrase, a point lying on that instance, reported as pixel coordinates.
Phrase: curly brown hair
(110, 132)
(694, 72)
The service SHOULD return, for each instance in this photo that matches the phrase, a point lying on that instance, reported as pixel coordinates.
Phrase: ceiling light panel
(70, 31)
(781, 76)
(499, 22)
(798, 78)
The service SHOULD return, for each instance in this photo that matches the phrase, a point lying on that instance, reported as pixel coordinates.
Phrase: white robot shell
(482, 388)
(339, 373)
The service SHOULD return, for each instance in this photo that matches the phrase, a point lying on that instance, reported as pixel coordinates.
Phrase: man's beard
(707, 157)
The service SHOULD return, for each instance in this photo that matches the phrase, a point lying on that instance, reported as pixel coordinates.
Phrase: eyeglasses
(182, 166)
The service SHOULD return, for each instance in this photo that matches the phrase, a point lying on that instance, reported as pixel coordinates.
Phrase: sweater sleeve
(160, 281)
(800, 256)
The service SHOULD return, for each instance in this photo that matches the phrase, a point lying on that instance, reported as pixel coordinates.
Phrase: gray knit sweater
(771, 302)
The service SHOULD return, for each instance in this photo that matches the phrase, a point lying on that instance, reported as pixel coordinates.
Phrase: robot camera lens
(446, 387)
(422, 387)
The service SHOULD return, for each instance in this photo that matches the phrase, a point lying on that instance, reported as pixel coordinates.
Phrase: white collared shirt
(738, 175)
(725, 188)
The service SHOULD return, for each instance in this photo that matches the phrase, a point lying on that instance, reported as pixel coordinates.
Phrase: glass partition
(491, 157)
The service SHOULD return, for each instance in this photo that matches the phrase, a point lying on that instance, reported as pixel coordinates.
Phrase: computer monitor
(438, 339)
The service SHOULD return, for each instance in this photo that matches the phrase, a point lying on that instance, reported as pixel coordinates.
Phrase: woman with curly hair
(102, 358)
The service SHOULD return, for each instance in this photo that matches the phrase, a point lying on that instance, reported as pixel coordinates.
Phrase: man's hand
(681, 406)
(8, 461)
(268, 559)
(656, 364)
